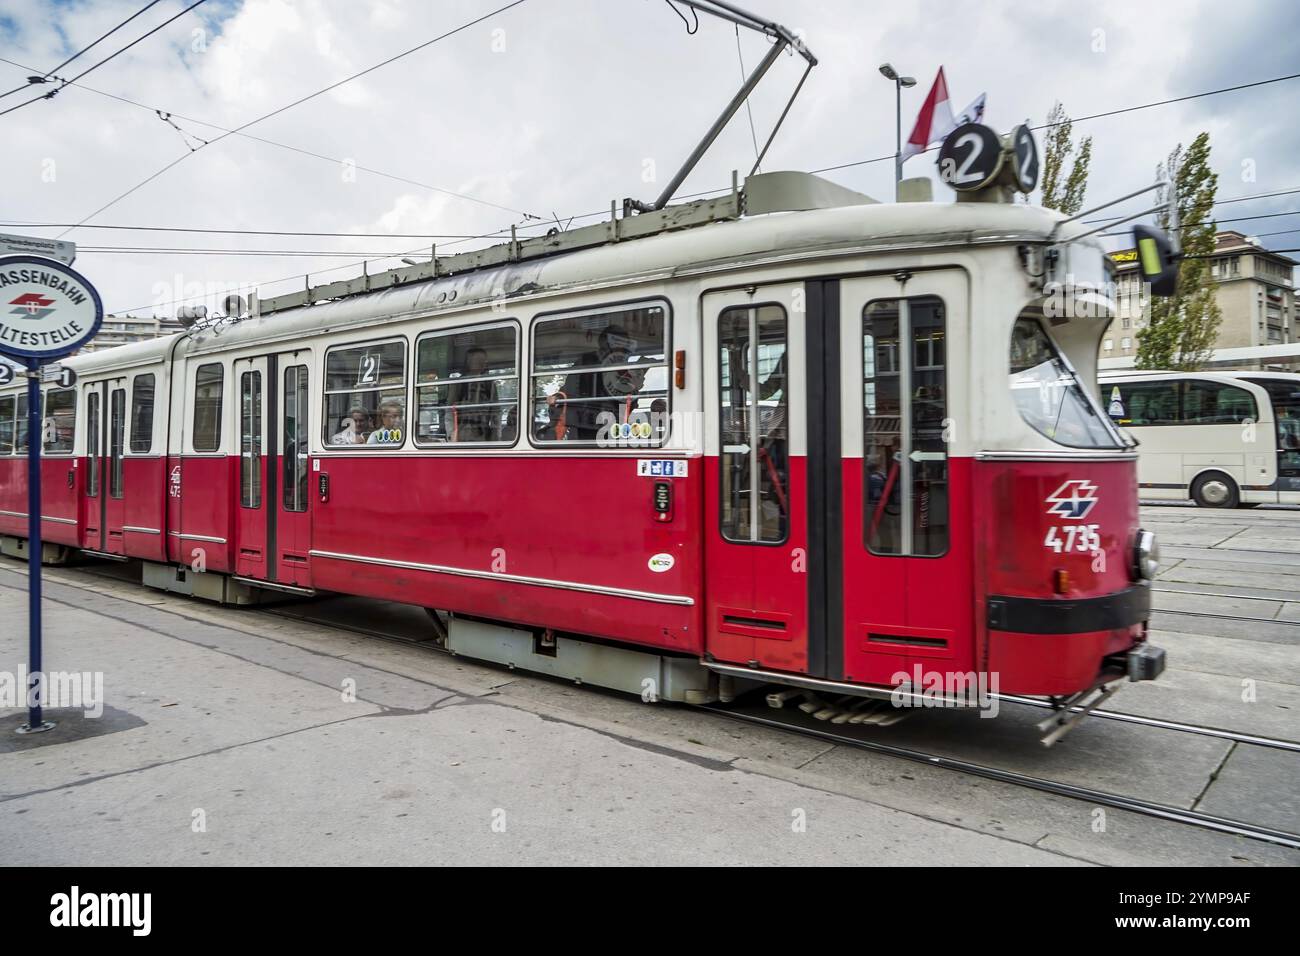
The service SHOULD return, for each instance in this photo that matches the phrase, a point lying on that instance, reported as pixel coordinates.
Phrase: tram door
(293, 517)
(273, 520)
(907, 587)
(105, 486)
(252, 528)
(755, 477)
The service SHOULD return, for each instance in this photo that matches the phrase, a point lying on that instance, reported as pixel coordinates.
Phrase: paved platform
(251, 737)
(227, 737)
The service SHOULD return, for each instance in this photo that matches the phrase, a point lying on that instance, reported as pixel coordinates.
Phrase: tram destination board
(970, 158)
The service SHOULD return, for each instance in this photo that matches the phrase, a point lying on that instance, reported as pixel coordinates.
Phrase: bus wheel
(1214, 489)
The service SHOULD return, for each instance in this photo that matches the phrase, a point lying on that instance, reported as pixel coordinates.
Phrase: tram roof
(715, 246)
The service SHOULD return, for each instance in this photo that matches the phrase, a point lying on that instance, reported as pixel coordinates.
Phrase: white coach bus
(1222, 439)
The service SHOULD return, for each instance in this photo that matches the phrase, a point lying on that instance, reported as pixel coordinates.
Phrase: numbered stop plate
(1026, 158)
(970, 158)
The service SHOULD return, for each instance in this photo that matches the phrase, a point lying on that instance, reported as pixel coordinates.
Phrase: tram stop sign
(46, 311)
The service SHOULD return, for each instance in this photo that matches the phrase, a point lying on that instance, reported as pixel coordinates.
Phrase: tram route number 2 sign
(661, 467)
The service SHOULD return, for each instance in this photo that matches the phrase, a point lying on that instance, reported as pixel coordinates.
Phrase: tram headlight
(1146, 555)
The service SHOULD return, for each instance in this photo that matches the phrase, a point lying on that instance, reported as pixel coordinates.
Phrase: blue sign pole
(35, 673)
(46, 311)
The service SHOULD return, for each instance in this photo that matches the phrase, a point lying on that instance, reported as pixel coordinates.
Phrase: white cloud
(557, 105)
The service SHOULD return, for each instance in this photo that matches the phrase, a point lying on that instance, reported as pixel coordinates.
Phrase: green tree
(1181, 331)
(1063, 190)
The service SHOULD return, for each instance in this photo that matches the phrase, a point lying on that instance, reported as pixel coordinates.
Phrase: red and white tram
(789, 435)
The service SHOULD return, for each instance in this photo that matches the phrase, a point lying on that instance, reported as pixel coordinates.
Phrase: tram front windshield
(1049, 395)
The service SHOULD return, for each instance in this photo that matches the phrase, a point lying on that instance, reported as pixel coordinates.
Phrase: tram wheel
(1214, 489)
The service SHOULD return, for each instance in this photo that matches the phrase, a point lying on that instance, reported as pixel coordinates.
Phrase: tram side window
(1049, 395)
(365, 395)
(60, 421)
(209, 382)
(142, 388)
(754, 398)
(1214, 403)
(93, 459)
(250, 440)
(6, 424)
(905, 407)
(467, 386)
(20, 425)
(116, 444)
(601, 377)
(295, 438)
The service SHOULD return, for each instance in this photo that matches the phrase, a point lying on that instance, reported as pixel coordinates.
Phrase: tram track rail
(1236, 736)
(1228, 617)
(1058, 788)
(1258, 740)
(786, 722)
(1283, 599)
(1157, 723)
(1055, 787)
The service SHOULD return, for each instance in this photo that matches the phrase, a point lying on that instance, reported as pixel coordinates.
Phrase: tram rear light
(1061, 581)
(679, 363)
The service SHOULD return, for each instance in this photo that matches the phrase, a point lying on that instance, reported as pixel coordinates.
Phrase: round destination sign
(46, 308)
(970, 157)
(1026, 157)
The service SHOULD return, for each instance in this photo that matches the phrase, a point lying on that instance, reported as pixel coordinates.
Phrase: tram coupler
(1145, 662)
(1068, 713)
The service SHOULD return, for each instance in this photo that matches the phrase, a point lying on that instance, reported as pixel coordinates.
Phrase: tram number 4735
(1078, 537)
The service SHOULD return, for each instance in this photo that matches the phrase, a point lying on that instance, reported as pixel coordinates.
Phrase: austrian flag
(936, 121)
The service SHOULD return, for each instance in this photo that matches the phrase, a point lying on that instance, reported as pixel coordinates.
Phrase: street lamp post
(899, 82)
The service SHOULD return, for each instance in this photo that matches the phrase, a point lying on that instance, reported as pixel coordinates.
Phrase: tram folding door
(104, 414)
(906, 439)
(755, 478)
(272, 520)
(252, 527)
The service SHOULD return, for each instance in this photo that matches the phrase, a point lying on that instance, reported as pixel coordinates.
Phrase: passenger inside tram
(389, 431)
(475, 407)
(354, 429)
(589, 401)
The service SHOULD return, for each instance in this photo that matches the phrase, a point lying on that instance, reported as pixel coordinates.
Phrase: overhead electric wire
(749, 109)
(1217, 202)
(251, 232)
(276, 112)
(268, 253)
(347, 265)
(587, 215)
(21, 224)
(83, 50)
(334, 161)
(1093, 116)
(1215, 255)
(1219, 222)
(111, 56)
(239, 131)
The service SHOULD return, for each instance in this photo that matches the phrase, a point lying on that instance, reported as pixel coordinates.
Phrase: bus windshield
(1048, 393)
(1285, 396)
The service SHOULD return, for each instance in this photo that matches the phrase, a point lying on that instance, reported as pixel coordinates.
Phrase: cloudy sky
(555, 107)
